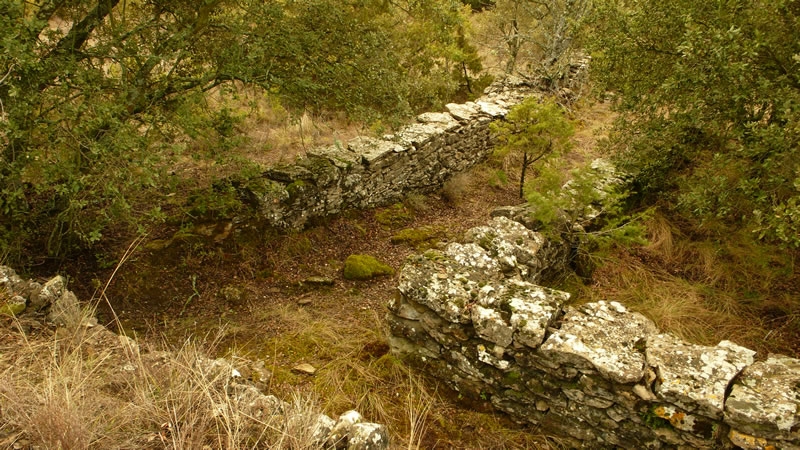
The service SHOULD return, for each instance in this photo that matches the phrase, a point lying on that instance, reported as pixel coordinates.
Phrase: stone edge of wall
(475, 316)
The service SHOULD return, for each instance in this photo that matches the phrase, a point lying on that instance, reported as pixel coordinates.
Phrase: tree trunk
(525, 163)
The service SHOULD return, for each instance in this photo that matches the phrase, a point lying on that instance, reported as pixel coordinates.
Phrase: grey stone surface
(368, 436)
(463, 112)
(516, 310)
(368, 172)
(695, 377)
(511, 245)
(765, 399)
(603, 336)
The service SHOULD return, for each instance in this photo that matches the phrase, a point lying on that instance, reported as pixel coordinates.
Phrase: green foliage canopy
(98, 96)
(710, 100)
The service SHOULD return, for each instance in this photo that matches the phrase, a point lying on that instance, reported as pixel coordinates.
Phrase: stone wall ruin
(475, 316)
(367, 172)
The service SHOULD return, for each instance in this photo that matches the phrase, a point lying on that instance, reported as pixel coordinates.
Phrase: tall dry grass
(85, 387)
(705, 289)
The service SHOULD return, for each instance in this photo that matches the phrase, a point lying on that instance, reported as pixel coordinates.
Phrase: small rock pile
(475, 316)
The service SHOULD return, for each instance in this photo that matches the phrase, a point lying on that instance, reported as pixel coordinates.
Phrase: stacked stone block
(475, 316)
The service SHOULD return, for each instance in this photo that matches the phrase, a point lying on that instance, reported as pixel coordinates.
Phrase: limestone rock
(695, 377)
(510, 243)
(446, 284)
(516, 310)
(765, 399)
(698, 425)
(462, 112)
(343, 158)
(472, 256)
(418, 134)
(490, 325)
(492, 109)
(15, 292)
(340, 433)
(441, 118)
(305, 368)
(372, 151)
(602, 336)
(65, 310)
(747, 442)
(52, 290)
(368, 436)
(322, 428)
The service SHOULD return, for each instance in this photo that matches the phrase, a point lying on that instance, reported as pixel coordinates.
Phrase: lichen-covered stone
(368, 436)
(695, 377)
(65, 310)
(511, 244)
(52, 290)
(747, 442)
(700, 426)
(10, 282)
(472, 256)
(516, 310)
(368, 172)
(341, 431)
(322, 429)
(765, 399)
(490, 325)
(445, 284)
(602, 336)
(373, 151)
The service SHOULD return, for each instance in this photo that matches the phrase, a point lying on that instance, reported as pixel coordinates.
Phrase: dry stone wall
(476, 316)
(367, 172)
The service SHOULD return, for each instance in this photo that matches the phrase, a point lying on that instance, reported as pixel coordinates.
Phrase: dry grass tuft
(86, 387)
(456, 188)
(703, 290)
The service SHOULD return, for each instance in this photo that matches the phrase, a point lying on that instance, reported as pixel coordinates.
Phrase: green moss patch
(364, 267)
(394, 216)
(11, 308)
(418, 237)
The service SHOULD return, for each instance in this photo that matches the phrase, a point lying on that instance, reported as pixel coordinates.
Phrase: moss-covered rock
(13, 306)
(364, 267)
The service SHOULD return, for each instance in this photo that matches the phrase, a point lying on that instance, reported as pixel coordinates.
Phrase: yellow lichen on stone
(748, 442)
